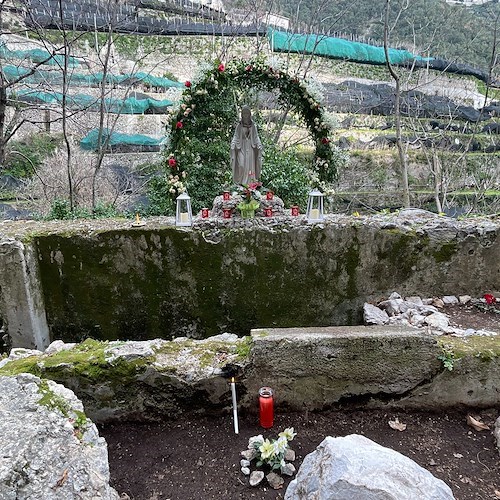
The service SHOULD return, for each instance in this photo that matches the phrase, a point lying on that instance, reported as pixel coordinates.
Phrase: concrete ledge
(317, 367)
(309, 368)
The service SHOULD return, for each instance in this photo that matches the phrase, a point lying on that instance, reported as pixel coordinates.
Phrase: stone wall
(308, 369)
(107, 280)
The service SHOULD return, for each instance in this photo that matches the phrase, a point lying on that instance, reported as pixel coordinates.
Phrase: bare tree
(403, 159)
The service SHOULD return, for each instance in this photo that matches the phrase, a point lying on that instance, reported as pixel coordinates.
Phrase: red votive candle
(204, 213)
(226, 196)
(266, 407)
(227, 213)
(295, 210)
(268, 212)
(269, 195)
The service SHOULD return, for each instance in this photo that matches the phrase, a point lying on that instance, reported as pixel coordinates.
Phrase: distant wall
(108, 280)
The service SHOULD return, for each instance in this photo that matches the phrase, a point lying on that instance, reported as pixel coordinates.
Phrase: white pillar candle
(314, 214)
(184, 217)
(235, 407)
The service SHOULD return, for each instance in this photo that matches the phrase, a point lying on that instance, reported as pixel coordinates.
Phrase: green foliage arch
(199, 132)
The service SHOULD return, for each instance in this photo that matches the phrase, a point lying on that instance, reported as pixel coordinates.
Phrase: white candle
(314, 214)
(184, 217)
(235, 407)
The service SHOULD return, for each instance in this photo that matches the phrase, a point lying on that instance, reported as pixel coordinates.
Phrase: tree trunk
(3, 108)
(436, 169)
(403, 160)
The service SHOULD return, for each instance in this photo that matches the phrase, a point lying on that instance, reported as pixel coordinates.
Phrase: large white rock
(496, 433)
(354, 467)
(372, 315)
(438, 320)
(49, 451)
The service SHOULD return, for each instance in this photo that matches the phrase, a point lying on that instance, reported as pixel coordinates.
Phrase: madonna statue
(246, 150)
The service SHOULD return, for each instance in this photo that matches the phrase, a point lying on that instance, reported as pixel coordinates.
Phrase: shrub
(285, 174)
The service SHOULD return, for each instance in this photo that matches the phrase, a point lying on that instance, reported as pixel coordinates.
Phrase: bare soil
(197, 458)
(478, 317)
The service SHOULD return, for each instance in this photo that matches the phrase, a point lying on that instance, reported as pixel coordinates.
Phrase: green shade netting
(90, 141)
(336, 48)
(129, 106)
(78, 79)
(37, 56)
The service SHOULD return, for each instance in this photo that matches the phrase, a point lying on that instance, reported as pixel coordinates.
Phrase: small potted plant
(250, 199)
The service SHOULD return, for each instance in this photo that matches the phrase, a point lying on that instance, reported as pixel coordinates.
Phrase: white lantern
(315, 206)
(183, 213)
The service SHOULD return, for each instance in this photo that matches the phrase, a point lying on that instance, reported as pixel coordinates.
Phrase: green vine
(198, 133)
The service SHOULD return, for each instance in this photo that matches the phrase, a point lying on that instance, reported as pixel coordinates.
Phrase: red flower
(325, 140)
(249, 67)
(188, 84)
(254, 185)
(172, 162)
(179, 124)
(490, 299)
(221, 67)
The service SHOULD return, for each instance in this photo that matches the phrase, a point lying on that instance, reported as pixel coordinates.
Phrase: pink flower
(325, 140)
(249, 68)
(188, 84)
(221, 67)
(490, 299)
(254, 185)
(172, 162)
(179, 124)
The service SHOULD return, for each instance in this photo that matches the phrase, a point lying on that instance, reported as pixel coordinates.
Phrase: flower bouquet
(250, 199)
(272, 452)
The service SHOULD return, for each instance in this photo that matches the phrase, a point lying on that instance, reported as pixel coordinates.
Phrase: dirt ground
(198, 458)
(479, 317)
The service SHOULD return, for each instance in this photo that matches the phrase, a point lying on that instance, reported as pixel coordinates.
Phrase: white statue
(246, 150)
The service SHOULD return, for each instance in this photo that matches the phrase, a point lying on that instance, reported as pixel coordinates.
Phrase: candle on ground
(235, 407)
(266, 407)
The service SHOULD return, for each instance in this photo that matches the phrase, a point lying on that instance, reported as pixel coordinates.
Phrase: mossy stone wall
(163, 281)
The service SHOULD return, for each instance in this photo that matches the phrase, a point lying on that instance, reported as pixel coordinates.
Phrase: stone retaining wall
(309, 369)
(108, 280)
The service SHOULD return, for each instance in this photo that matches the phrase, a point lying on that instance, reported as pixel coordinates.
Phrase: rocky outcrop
(356, 467)
(50, 449)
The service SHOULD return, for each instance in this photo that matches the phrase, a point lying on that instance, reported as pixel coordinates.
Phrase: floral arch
(199, 132)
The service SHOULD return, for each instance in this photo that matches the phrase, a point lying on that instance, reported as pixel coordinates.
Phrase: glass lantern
(183, 213)
(314, 211)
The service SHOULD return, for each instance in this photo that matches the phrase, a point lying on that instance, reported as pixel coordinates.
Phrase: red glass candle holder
(227, 213)
(226, 195)
(266, 407)
(294, 210)
(269, 195)
(204, 213)
(268, 212)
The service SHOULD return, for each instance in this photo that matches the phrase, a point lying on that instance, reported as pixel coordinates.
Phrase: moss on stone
(207, 352)
(86, 361)
(245, 346)
(485, 348)
(52, 400)
(445, 252)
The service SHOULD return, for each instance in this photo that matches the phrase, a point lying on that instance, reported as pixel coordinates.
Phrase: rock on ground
(50, 450)
(372, 315)
(496, 433)
(355, 467)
